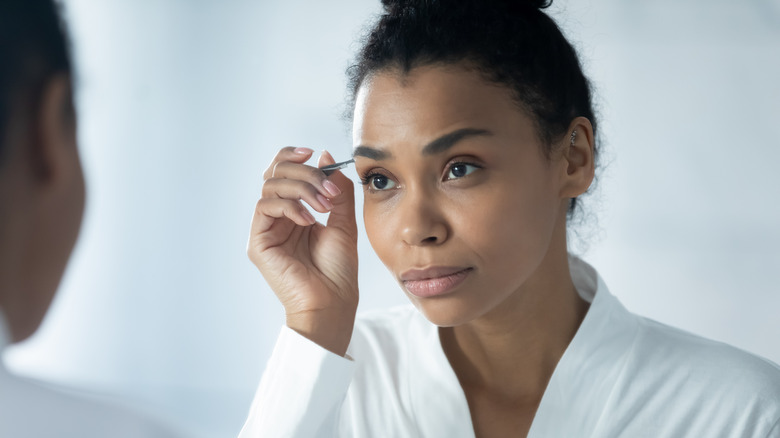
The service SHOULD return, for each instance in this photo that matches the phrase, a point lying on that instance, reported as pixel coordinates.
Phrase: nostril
(424, 228)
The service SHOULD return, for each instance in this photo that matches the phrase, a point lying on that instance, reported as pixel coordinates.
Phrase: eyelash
(462, 163)
(367, 177)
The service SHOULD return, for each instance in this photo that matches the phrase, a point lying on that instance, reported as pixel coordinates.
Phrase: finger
(309, 174)
(296, 190)
(336, 182)
(289, 153)
(325, 159)
(343, 213)
(268, 211)
(342, 183)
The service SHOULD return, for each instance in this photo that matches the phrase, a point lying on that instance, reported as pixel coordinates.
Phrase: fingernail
(331, 188)
(302, 151)
(308, 216)
(325, 202)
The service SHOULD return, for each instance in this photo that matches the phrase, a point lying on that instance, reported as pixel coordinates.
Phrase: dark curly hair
(33, 48)
(511, 43)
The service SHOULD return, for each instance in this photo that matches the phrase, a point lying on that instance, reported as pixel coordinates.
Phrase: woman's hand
(311, 267)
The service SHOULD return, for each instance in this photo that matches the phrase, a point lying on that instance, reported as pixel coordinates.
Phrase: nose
(423, 221)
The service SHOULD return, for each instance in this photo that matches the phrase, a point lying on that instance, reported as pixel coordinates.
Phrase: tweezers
(330, 168)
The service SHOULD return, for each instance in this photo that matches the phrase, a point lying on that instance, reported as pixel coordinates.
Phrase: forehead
(430, 99)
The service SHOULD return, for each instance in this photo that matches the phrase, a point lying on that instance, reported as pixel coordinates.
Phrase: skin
(42, 196)
(456, 179)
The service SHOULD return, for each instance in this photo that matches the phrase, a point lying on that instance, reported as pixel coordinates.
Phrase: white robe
(35, 409)
(622, 375)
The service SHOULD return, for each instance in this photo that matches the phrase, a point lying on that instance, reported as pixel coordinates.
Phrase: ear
(53, 137)
(49, 179)
(578, 158)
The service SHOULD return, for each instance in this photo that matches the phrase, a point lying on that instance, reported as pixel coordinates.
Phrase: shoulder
(32, 408)
(713, 359)
(703, 378)
(675, 383)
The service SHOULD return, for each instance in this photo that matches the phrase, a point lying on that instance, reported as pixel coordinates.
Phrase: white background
(183, 103)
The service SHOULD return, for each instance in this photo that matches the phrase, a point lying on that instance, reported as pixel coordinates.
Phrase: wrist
(329, 328)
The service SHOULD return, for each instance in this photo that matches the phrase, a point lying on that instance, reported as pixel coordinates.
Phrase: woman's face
(460, 202)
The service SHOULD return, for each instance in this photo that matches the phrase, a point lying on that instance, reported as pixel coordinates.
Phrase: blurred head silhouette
(41, 181)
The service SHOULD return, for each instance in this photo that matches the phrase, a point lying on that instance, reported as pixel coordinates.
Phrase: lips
(435, 281)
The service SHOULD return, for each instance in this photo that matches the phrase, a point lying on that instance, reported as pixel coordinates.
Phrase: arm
(301, 392)
(312, 269)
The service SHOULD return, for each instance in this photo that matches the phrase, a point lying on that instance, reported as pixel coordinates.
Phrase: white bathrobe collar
(604, 337)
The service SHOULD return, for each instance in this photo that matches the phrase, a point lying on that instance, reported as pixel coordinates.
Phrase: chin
(445, 312)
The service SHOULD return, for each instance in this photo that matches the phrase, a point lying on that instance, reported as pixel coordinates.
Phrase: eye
(378, 182)
(459, 170)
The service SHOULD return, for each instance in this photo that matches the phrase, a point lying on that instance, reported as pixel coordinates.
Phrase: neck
(513, 350)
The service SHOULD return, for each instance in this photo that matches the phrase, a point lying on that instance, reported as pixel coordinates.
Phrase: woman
(42, 196)
(474, 135)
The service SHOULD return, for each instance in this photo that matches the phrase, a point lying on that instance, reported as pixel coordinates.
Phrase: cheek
(513, 226)
(378, 231)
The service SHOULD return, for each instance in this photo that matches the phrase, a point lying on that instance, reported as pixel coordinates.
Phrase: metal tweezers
(327, 170)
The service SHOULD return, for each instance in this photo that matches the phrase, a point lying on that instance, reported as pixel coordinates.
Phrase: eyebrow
(437, 146)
